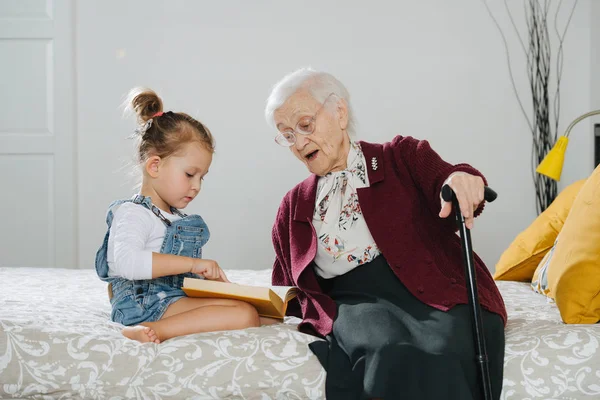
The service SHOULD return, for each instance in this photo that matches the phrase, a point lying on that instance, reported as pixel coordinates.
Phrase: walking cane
(465, 237)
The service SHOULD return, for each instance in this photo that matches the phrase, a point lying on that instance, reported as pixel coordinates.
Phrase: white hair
(319, 84)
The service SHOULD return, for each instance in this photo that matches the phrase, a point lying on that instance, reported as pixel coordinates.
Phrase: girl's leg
(269, 321)
(194, 315)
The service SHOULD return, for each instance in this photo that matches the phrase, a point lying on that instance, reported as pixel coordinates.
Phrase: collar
(306, 193)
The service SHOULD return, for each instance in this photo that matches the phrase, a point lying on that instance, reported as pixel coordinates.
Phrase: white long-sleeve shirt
(135, 234)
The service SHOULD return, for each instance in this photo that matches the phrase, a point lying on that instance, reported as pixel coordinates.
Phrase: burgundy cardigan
(401, 208)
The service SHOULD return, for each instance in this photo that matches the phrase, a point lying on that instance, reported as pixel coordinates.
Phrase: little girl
(150, 245)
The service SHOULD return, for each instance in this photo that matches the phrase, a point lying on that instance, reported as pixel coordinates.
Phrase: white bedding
(56, 341)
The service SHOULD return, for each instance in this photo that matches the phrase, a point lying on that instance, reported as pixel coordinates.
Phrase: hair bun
(144, 102)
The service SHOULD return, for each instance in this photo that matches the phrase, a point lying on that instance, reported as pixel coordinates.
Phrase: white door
(37, 130)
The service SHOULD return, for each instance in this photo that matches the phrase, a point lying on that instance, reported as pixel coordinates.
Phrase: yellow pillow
(573, 270)
(520, 260)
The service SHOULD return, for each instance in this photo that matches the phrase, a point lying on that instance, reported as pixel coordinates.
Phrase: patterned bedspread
(545, 358)
(56, 342)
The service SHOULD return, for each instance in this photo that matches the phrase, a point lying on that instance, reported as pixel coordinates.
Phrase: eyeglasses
(306, 126)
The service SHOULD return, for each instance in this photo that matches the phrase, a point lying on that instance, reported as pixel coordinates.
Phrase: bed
(56, 341)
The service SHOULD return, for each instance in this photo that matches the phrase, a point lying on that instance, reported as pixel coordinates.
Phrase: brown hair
(168, 131)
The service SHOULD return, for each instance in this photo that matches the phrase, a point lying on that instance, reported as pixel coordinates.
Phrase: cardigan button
(420, 289)
(453, 280)
(446, 303)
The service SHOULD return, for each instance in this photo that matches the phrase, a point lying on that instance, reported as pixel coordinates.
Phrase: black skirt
(388, 344)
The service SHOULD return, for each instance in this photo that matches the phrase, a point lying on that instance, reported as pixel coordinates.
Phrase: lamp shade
(552, 164)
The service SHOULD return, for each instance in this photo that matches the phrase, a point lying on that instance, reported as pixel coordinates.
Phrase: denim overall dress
(136, 301)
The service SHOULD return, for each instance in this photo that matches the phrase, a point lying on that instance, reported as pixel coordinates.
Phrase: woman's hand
(209, 269)
(469, 192)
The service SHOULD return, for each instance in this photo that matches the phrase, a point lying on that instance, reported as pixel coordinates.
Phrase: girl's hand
(209, 269)
(469, 192)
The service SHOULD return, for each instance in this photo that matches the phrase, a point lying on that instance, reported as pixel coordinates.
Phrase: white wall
(595, 56)
(435, 70)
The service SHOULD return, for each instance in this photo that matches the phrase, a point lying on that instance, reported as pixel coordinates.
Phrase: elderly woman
(367, 241)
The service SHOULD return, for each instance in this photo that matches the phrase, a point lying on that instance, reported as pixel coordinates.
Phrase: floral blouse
(344, 239)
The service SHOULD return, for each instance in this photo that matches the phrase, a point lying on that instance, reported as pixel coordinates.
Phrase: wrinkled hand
(209, 269)
(469, 192)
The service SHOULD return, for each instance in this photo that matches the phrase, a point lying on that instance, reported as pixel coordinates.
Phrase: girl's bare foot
(140, 333)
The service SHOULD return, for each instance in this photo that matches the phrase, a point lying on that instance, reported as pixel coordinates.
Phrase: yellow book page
(267, 302)
(285, 293)
(233, 289)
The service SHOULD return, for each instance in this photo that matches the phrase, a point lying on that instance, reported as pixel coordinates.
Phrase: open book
(269, 301)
